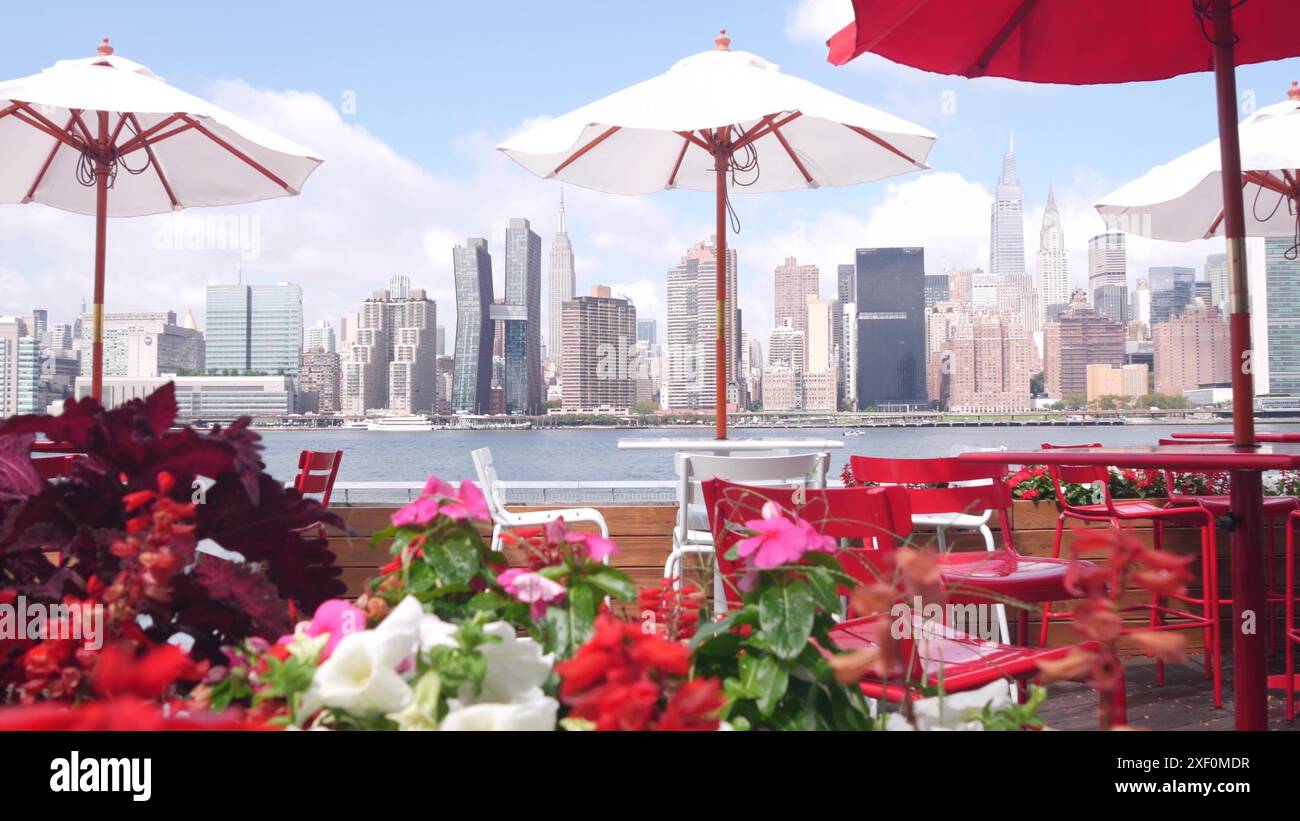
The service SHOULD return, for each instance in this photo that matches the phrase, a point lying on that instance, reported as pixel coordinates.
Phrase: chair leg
(1158, 601)
(1270, 616)
(672, 567)
(999, 610)
(1056, 554)
(1214, 652)
(1289, 626)
(1022, 626)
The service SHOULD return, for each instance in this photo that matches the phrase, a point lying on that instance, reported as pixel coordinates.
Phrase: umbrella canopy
(105, 136)
(179, 151)
(1183, 199)
(1044, 41)
(719, 121)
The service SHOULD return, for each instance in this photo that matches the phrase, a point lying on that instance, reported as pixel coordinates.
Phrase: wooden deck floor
(1184, 702)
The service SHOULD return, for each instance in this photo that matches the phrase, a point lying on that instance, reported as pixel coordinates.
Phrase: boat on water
(356, 424)
(854, 432)
(400, 423)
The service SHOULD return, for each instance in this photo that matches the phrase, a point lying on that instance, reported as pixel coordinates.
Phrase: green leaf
(725, 645)
(456, 559)
(745, 615)
(582, 602)
(786, 617)
(422, 577)
(771, 681)
(824, 589)
(613, 582)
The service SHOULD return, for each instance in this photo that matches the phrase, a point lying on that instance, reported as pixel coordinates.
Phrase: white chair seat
(957, 520)
(697, 518)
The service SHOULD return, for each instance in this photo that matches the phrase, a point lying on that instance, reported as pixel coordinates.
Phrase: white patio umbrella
(105, 136)
(721, 121)
(1183, 199)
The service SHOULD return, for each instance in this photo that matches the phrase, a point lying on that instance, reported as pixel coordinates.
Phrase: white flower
(538, 714)
(434, 632)
(361, 676)
(516, 669)
(960, 711)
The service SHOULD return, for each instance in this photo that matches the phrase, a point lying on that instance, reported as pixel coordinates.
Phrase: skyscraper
(599, 345)
(1172, 290)
(990, 363)
(1191, 350)
(891, 326)
(472, 371)
(1082, 336)
(1007, 221)
(399, 286)
(522, 315)
(1282, 272)
(319, 379)
(794, 284)
(959, 285)
(692, 327)
(1108, 276)
(562, 283)
(647, 331)
(146, 344)
(320, 335)
(1216, 271)
(1140, 310)
(391, 364)
(846, 290)
(1053, 265)
(936, 289)
(254, 328)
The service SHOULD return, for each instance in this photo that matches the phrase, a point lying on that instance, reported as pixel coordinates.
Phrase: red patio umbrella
(1116, 41)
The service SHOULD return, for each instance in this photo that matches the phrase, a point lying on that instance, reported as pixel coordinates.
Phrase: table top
(714, 445)
(1192, 456)
(1225, 436)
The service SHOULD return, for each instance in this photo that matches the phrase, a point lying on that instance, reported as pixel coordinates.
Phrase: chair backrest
(873, 514)
(488, 482)
(1077, 474)
(317, 470)
(806, 470)
(967, 487)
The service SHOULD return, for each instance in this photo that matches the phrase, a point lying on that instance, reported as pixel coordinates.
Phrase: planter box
(1027, 515)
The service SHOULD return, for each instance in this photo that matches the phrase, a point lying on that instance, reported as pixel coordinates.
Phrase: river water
(592, 454)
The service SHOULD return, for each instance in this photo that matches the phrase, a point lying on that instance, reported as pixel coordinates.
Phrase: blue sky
(437, 84)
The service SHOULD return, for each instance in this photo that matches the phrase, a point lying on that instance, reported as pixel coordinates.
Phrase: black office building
(891, 326)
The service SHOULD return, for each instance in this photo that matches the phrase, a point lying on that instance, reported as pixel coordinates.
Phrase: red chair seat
(1144, 509)
(1005, 574)
(963, 662)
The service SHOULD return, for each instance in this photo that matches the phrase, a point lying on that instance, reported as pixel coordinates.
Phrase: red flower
(622, 679)
(117, 714)
(1029, 493)
(695, 706)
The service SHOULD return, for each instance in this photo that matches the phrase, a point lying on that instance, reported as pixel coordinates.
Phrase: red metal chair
(968, 490)
(879, 515)
(317, 471)
(1115, 513)
(1277, 510)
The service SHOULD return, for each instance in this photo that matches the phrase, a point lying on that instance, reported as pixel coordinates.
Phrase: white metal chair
(691, 533)
(503, 519)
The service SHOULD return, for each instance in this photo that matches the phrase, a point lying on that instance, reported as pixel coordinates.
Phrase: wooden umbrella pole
(721, 161)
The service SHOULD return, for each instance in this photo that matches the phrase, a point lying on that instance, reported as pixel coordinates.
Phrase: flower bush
(123, 534)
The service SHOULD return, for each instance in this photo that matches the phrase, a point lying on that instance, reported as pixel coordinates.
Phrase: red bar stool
(1277, 510)
(969, 490)
(1115, 513)
(882, 515)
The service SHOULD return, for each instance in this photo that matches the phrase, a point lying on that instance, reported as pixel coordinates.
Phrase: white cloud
(816, 20)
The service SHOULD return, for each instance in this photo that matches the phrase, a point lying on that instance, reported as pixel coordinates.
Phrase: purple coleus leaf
(18, 476)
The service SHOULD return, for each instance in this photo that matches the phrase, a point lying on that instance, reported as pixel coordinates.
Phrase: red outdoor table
(1226, 436)
(1250, 675)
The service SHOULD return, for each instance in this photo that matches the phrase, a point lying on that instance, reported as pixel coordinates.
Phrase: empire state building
(1007, 274)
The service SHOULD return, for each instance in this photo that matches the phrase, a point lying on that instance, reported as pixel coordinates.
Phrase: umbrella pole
(1249, 687)
(720, 161)
(101, 230)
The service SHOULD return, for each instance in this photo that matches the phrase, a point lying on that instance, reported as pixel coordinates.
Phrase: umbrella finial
(722, 42)
(104, 48)
(1293, 93)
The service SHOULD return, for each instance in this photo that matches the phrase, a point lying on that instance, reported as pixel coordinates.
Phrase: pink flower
(335, 618)
(531, 588)
(468, 504)
(598, 547)
(777, 540)
(439, 498)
